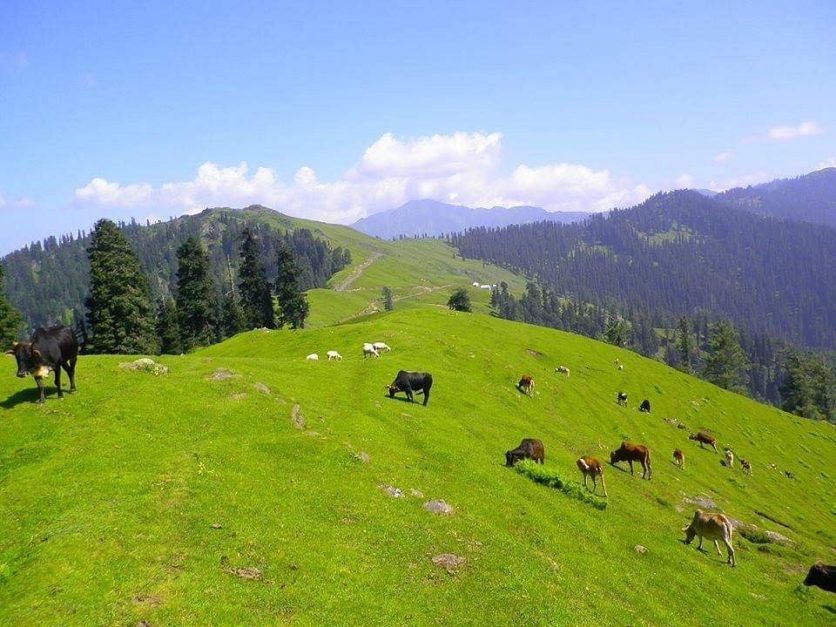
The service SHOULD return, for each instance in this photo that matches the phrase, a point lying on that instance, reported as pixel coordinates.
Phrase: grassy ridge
(107, 500)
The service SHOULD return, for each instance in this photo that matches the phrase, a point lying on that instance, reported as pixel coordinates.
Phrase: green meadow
(248, 486)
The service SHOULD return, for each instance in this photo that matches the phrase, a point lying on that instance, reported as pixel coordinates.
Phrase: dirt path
(355, 274)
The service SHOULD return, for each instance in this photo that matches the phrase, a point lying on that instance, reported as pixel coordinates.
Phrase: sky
(335, 111)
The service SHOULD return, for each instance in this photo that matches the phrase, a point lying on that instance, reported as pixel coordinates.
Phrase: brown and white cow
(746, 466)
(591, 467)
(629, 452)
(526, 384)
(714, 527)
(679, 458)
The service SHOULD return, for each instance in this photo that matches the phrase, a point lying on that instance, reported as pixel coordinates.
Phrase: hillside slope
(146, 498)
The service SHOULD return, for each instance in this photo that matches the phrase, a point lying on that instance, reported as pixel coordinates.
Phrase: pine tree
(10, 319)
(685, 343)
(388, 303)
(196, 299)
(232, 316)
(618, 332)
(256, 300)
(459, 300)
(168, 329)
(119, 305)
(293, 306)
(726, 362)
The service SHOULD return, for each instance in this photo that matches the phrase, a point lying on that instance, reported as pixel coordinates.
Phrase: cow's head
(391, 389)
(28, 357)
(691, 528)
(614, 457)
(509, 458)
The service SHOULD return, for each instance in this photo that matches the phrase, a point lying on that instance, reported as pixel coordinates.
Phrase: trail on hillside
(355, 274)
(373, 307)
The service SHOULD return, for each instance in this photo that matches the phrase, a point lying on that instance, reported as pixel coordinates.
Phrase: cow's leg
(630, 461)
(426, 396)
(69, 367)
(604, 485)
(408, 391)
(699, 546)
(717, 546)
(58, 381)
(584, 479)
(39, 381)
(731, 559)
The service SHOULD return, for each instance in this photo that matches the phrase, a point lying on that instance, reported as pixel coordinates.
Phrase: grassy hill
(148, 497)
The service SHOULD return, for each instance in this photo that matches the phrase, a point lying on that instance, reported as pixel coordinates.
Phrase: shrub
(550, 477)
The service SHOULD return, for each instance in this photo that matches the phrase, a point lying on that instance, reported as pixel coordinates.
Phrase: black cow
(822, 576)
(406, 382)
(621, 399)
(49, 349)
(529, 448)
(645, 406)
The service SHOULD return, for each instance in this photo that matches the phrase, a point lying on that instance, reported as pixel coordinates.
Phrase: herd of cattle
(56, 349)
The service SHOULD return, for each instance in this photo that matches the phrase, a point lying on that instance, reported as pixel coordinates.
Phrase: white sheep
(334, 355)
(312, 357)
(562, 370)
(369, 351)
(381, 346)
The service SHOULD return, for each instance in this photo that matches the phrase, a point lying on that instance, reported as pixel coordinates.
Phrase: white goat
(334, 355)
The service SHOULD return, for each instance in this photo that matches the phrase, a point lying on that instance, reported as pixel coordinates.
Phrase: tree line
(764, 368)
(122, 318)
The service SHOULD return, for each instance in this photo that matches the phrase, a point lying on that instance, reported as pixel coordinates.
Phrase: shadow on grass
(403, 399)
(29, 395)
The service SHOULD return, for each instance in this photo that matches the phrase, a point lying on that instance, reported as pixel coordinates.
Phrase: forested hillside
(679, 253)
(809, 198)
(48, 281)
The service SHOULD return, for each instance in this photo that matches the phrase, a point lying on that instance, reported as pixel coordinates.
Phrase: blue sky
(333, 112)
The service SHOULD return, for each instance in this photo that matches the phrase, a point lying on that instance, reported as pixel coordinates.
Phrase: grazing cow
(729, 458)
(621, 399)
(529, 448)
(616, 362)
(703, 438)
(381, 346)
(562, 370)
(714, 527)
(746, 466)
(629, 452)
(370, 351)
(645, 406)
(590, 466)
(679, 458)
(48, 349)
(406, 382)
(334, 355)
(822, 576)
(526, 384)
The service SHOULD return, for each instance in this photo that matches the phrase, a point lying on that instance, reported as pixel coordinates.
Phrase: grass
(141, 496)
(552, 478)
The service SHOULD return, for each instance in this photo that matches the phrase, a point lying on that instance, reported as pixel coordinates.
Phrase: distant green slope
(108, 499)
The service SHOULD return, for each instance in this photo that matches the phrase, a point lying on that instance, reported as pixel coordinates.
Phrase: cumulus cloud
(460, 168)
(723, 156)
(805, 129)
(684, 181)
(827, 163)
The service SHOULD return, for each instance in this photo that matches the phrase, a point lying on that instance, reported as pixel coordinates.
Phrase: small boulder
(222, 374)
(297, 418)
(260, 387)
(392, 491)
(449, 562)
(416, 493)
(144, 364)
(641, 550)
(438, 506)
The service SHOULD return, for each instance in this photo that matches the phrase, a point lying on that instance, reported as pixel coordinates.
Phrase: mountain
(678, 253)
(430, 217)
(249, 487)
(808, 198)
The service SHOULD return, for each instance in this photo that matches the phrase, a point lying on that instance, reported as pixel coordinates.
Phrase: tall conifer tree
(256, 300)
(168, 328)
(119, 305)
(10, 319)
(726, 362)
(293, 306)
(197, 310)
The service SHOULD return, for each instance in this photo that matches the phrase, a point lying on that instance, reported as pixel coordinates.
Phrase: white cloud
(754, 178)
(460, 168)
(723, 156)
(805, 129)
(24, 202)
(827, 163)
(684, 181)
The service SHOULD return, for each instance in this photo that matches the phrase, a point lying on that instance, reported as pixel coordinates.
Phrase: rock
(438, 507)
(144, 365)
(391, 491)
(238, 396)
(778, 538)
(362, 457)
(702, 502)
(641, 550)
(449, 562)
(216, 526)
(260, 387)
(297, 417)
(248, 572)
(416, 493)
(222, 374)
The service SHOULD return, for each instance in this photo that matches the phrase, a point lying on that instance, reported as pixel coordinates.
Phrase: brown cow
(714, 527)
(746, 466)
(703, 438)
(679, 457)
(592, 467)
(529, 448)
(526, 384)
(629, 452)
